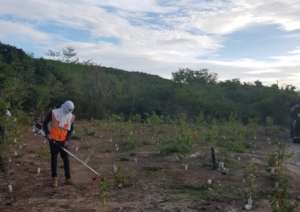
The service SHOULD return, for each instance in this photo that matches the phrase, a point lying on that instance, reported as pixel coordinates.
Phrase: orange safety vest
(56, 132)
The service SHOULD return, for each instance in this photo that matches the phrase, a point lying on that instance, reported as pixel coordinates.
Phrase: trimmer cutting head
(98, 178)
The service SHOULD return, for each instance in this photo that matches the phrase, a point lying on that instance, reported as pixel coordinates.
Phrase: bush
(182, 145)
(230, 135)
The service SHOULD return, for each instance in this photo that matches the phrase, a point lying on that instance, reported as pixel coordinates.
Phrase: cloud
(264, 71)
(9, 29)
(158, 36)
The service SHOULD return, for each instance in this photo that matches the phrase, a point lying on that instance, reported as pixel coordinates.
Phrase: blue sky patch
(65, 31)
(258, 42)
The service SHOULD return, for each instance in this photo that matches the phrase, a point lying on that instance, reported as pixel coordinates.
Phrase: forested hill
(35, 85)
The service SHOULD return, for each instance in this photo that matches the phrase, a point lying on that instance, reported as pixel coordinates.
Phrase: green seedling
(104, 187)
(280, 201)
(250, 184)
(120, 178)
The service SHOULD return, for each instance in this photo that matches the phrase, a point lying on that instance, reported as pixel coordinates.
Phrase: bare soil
(154, 182)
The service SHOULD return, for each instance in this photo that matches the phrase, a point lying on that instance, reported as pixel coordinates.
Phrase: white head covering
(64, 114)
(67, 107)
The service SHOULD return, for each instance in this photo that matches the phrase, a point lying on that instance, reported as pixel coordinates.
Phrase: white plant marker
(117, 147)
(38, 171)
(9, 160)
(273, 170)
(239, 158)
(221, 165)
(186, 167)
(115, 168)
(15, 153)
(10, 188)
(77, 149)
(15, 140)
(249, 205)
(250, 201)
(209, 181)
(194, 155)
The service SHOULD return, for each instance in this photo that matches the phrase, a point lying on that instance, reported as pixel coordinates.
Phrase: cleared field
(156, 166)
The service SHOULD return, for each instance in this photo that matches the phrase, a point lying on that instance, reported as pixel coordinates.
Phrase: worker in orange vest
(58, 126)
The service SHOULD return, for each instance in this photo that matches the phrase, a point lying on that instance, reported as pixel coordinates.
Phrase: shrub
(181, 144)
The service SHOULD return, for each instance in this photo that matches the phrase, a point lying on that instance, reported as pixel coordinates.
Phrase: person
(293, 116)
(296, 129)
(58, 127)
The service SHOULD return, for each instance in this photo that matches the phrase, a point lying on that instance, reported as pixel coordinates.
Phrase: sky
(237, 39)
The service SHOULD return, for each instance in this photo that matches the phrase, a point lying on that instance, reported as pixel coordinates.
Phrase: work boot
(54, 182)
(68, 181)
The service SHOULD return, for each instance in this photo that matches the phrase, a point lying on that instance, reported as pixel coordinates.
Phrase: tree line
(35, 85)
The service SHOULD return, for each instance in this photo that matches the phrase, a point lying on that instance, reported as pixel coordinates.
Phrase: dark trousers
(55, 148)
(296, 140)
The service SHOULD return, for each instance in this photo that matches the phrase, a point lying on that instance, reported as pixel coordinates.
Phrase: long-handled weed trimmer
(82, 162)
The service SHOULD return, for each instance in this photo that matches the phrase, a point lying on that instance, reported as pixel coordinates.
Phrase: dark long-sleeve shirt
(48, 119)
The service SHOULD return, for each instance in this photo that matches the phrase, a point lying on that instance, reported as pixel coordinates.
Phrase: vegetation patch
(181, 145)
(216, 192)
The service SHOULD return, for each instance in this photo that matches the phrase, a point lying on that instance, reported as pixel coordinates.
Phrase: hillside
(35, 85)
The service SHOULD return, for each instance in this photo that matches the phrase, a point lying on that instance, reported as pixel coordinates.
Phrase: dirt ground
(153, 182)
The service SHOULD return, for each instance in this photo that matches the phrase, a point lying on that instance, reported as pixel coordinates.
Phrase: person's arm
(70, 132)
(46, 122)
